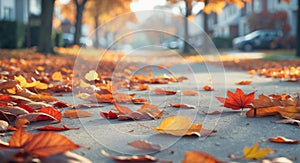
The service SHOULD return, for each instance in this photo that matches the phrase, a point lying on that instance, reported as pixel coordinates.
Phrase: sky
(146, 4)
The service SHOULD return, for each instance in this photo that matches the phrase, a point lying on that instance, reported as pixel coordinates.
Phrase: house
(19, 10)
(233, 22)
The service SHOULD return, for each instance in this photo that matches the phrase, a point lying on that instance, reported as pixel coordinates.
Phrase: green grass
(279, 54)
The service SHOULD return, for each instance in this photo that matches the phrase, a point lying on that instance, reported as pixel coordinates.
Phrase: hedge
(12, 34)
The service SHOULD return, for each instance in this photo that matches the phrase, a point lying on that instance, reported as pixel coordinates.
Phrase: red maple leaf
(237, 100)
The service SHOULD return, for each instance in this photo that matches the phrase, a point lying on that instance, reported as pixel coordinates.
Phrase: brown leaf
(43, 97)
(151, 110)
(33, 117)
(105, 98)
(216, 112)
(122, 109)
(262, 112)
(21, 122)
(142, 158)
(184, 106)
(109, 115)
(133, 116)
(281, 139)
(76, 114)
(15, 110)
(190, 93)
(48, 143)
(207, 88)
(4, 84)
(161, 91)
(6, 116)
(145, 145)
(50, 111)
(19, 138)
(199, 157)
(288, 120)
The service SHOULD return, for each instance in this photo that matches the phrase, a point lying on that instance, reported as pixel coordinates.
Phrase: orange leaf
(52, 112)
(262, 112)
(243, 82)
(48, 143)
(185, 106)
(106, 98)
(190, 93)
(237, 100)
(43, 97)
(21, 122)
(76, 114)
(281, 139)
(143, 87)
(141, 158)
(19, 138)
(161, 91)
(199, 157)
(122, 109)
(56, 76)
(207, 88)
(151, 110)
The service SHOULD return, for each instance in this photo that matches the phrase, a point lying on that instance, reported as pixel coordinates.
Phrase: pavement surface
(234, 130)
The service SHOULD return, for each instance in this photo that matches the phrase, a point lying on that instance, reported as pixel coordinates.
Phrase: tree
(210, 6)
(298, 32)
(80, 4)
(103, 11)
(45, 44)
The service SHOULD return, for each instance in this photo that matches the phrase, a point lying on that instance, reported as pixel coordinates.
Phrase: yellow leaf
(56, 76)
(21, 80)
(255, 153)
(83, 96)
(40, 85)
(11, 91)
(84, 84)
(178, 126)
(91, 75)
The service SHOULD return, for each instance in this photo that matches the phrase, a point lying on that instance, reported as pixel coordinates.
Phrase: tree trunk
(298, 32)
(78, 24)
(97, 39)
(186, 27)
(45, 44)
(205, 19)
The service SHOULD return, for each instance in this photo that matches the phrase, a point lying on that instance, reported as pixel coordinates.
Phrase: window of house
(257, 6)
(7, 13)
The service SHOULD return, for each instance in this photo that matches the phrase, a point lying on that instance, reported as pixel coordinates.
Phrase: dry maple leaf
(145, 145)
(19, 138)
(109, 115)
(76, 114)
(151, 110)
(141, 158)
(161, 91)
(181, 126)
(237, 100)
(281, 139)
(21, 122)
(184, 106)
(122, 109)
(6, 116)
(255, 153)
(199, 157)
(52, 112)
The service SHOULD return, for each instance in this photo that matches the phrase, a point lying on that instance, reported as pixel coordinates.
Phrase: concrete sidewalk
(234, 131)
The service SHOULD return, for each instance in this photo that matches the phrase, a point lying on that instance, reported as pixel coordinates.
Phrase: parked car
(173, 44)
(260, 39)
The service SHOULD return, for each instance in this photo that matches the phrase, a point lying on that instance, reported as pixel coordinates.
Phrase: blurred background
(243, 25)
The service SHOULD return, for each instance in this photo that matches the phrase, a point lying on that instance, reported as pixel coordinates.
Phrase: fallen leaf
(76, 114)
(151, 110)
(243, 82)
(199, 157)
(207, 88)
(54, 128)
(14, 110)
(237, 100)
(4, 84)
(189, 93)
(133, 116)
(141, 158)
(33, 117)
(65, 157)
(3, 125)
(161, 91)
(180, 126)
(109, 115)
(5, 98)
(60, 104)
(145, 145)
(21, 122)
(288, 120)
(48, 143)
(84, 84)
(278, 160)
(56, 114)
(91, 75)
(86, 106)
(6, 116)
(216, 112)
(20, 138)
(27, 108)
(262, 112)
(281, 139)
(56, 76)
(143, 87)
(106, 98)
(122, 109)
(139, 100)
(184, 106)
(43, 97)
(255, 153)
